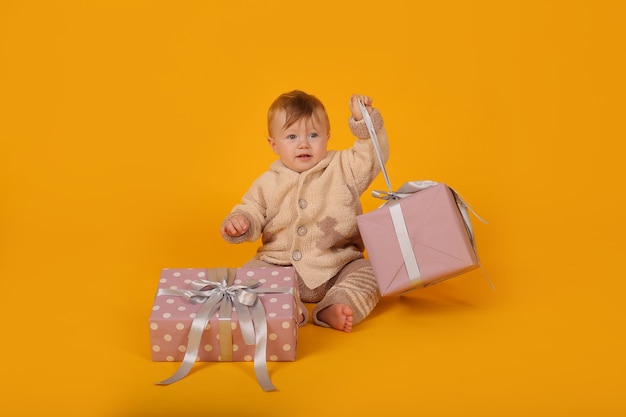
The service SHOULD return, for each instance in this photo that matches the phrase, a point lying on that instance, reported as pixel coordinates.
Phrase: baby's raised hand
(237, 225)
(356, 109)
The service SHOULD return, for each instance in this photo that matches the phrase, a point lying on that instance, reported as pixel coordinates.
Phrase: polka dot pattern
(171, 317)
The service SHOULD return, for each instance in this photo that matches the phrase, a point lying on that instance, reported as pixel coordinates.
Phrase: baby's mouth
(304, 156)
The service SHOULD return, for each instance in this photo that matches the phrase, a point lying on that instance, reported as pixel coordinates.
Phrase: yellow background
(129, 128)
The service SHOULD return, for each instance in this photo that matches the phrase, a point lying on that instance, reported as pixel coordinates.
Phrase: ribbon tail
(464, 208)
(260, 350)
(491, 284)
(193, 344)
(245, 323)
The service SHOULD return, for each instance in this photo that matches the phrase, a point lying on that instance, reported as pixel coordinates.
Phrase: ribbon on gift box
(395, 210)
(223, 295)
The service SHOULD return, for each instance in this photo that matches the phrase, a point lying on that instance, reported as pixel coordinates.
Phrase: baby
(304, 207)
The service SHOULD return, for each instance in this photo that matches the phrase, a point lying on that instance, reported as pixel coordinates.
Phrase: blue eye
(313, 135)
(291, 136)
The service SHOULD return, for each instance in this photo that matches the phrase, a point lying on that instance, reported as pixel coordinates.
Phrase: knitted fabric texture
(355, 286)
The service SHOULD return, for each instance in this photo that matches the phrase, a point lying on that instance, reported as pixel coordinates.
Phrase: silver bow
(222, 295)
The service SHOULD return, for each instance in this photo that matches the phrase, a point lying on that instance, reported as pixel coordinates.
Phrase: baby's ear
(272, 144)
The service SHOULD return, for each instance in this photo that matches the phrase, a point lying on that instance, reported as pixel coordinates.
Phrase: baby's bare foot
(337, 316)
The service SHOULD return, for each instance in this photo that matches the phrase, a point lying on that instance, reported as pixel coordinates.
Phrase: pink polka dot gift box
(220, 314)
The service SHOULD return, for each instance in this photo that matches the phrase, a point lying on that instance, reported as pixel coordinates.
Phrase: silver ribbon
(392, 197)
(402, 234)
(222, 295)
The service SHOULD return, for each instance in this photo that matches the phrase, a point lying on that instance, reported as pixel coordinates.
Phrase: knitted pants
(354, 285)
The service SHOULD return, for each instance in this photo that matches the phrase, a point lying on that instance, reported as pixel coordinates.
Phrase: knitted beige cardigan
(308, 219)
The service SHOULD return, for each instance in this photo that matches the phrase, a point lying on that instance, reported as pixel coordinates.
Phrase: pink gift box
(172, 316)
(438, 238)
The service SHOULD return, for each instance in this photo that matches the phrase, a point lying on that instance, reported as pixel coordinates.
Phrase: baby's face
(303, 144)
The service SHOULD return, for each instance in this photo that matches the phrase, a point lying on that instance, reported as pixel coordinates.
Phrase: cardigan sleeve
(249, 235)
(359, 128)
(253, 208)
(362, 156)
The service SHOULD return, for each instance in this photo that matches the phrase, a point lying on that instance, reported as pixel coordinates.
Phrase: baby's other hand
(237, 225)
(356, 109)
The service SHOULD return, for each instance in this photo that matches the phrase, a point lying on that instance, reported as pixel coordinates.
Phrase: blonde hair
(296, 104)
